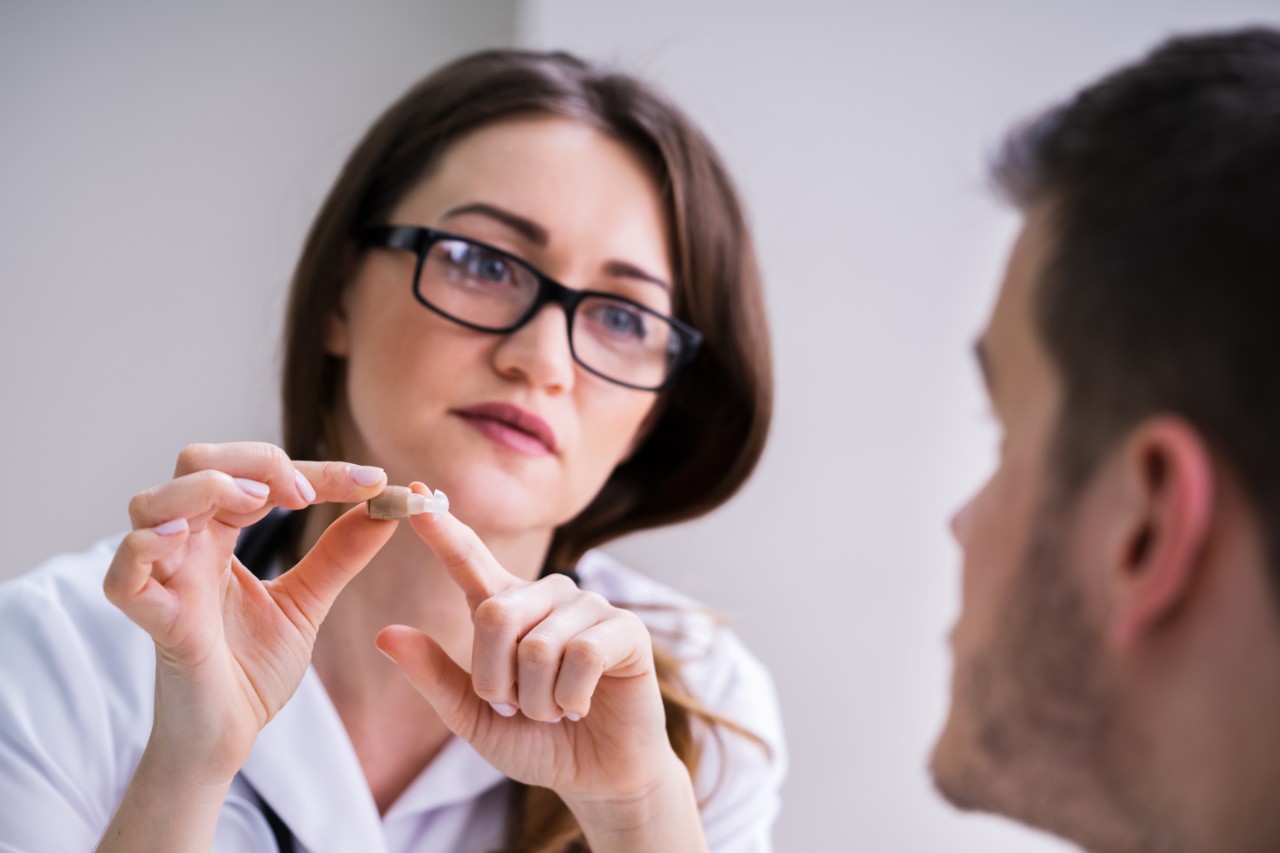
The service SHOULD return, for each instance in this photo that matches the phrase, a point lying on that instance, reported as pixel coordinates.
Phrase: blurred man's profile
(1117, 658)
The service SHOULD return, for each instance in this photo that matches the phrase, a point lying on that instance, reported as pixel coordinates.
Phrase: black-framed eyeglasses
(486, 289)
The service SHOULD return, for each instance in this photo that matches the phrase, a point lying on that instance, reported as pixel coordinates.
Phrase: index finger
(293, 484)
(462, 553)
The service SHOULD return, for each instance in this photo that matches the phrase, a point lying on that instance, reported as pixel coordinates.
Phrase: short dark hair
(1161, 289)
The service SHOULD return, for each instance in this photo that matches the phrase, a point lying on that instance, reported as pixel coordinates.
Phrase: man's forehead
(1009, 339)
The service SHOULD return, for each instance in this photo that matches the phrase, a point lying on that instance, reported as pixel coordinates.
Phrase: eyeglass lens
(612, 337)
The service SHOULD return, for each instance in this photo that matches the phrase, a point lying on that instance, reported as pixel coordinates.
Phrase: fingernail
(572, 717)
(170, 528)
(504, 709)
(366, 475)
(253, 487)
(305, 488)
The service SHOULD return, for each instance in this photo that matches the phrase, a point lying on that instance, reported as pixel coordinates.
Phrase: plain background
(161, 164)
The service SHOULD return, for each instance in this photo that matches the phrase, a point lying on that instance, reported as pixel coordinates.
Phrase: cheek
(993, 530)
(609, 424)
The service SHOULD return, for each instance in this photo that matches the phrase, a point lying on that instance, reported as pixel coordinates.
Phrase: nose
(538, 352)
(960, 521)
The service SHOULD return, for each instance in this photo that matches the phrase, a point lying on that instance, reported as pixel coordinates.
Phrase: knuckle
(538, 650)
(631, 621)
(113, 581)
(111, 587)
(211, 478)
(215, 484)
(459, 556)
(495, 616)
(140, 503)
(335, 472)
(633, 626)
(584, 652)
(191, 457)
(272, 453)
(558, 582)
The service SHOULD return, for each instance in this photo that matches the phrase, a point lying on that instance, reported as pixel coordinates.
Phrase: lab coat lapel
(305, 768)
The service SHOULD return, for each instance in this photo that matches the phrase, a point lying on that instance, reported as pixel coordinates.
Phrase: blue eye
(478, 263)
(621, 320)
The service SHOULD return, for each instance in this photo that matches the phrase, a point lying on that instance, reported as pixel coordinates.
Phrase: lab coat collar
(333, 810)
(455, 775)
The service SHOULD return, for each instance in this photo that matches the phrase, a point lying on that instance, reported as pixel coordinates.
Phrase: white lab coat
(76, 694)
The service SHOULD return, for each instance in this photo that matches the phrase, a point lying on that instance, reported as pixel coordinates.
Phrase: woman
(430, 338)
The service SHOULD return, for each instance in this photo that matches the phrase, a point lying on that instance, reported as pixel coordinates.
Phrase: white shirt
(76, 705)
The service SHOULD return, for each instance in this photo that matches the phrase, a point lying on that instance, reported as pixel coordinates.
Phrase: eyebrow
(537, 235)
(527, 228)
(622, 269)
(984, 363)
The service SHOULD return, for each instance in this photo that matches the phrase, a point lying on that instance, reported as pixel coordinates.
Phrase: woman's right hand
(231, 649)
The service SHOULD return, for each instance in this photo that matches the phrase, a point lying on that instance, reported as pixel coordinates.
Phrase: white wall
(160, 164)
(859, 133)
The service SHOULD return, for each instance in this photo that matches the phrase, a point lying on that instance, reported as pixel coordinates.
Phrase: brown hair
(1161, 290)
(711, 423)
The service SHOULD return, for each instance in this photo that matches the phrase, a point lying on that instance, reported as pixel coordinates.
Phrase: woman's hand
(562, 692)
(231, 649)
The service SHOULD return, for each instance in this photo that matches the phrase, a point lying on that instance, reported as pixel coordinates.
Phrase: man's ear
(1166, 474)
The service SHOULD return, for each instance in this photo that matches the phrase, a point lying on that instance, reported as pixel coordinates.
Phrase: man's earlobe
(1167, 474)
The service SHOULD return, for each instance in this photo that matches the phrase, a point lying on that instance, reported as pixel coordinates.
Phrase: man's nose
(960, 521)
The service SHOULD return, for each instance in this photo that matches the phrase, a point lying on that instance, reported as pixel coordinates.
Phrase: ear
(1167, 477)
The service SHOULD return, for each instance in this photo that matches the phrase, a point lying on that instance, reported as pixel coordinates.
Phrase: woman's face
(419, 391)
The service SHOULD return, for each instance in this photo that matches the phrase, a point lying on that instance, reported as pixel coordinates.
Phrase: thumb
(344, 548)
(437, 677)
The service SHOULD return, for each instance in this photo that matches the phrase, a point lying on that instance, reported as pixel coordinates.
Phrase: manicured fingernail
(305, 488)
(504, 709)
(253, 487)
(171, 528)
(366, 475)
(572, 717)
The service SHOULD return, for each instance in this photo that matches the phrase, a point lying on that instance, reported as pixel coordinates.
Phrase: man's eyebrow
(984, 363)
(527, 228)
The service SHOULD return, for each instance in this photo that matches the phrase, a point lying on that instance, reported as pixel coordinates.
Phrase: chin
(492, 500)
(954, 768)
(969, 763)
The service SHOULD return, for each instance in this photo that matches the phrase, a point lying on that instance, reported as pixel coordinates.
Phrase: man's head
(1125, 552)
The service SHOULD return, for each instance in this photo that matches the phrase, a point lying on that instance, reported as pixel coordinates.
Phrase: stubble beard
(1036, 729)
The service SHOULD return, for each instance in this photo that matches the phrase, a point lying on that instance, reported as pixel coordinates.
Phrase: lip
(512, 427)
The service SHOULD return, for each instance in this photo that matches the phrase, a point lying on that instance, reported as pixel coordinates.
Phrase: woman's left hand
(562, 692)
